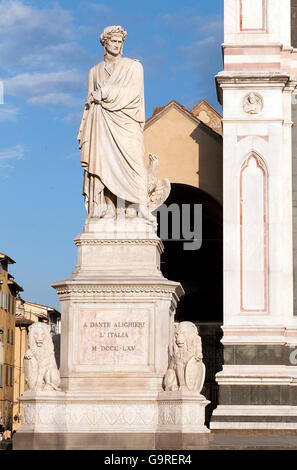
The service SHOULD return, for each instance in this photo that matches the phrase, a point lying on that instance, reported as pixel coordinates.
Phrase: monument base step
(110, 441)
(253, 440)
(247, 418)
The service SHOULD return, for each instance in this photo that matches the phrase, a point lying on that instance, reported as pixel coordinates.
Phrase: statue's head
(112, 39)
(38, 334)
(186, 336)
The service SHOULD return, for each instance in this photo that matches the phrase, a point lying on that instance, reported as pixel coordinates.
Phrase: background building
(189, 149)
(16, 315)
(8, 291)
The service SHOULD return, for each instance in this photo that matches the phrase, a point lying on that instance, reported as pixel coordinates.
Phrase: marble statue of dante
(111, 131)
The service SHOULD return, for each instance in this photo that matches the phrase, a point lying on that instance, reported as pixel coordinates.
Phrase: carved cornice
(250, 79)
(119, 293)
(91, 289)
(130, 241)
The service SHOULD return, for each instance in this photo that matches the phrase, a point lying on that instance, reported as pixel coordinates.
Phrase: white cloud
(203, 59)
(58, 56)
(75, 154)
(53, 99)
(14, 153)
(198, 48)
(100, 7)
(24, 22)
(39, 59)
(213, 26)
(74, 117)
(183, 20)
(86, 30)
(31, 86)
(201, 31)
(8, 113)
(25, 30)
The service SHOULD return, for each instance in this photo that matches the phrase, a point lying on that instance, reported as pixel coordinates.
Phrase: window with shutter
(11, 376)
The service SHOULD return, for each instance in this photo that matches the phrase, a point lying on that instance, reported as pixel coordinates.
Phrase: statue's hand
(28, 355)
(97, 96)
(199, 357)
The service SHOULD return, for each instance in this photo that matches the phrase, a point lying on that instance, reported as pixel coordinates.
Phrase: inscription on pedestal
(114, 337)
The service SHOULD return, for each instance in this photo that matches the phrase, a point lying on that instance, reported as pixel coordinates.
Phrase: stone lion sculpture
(186, 371)
(41, 372)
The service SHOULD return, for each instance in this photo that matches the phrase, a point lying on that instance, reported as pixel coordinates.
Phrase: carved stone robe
(111, 134)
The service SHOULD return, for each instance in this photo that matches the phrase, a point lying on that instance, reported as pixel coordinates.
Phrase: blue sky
(46, 50)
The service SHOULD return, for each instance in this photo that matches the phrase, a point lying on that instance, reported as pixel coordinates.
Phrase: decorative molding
(96, 241)
(208, 115)
(113, 416)
(252, 103)
(260, 164)
(114, 290)
(178, 413)
(94, 416)
(262, 29)
(252, 78)
(88, 292)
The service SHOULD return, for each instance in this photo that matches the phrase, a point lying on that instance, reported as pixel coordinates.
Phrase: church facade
(257, 88)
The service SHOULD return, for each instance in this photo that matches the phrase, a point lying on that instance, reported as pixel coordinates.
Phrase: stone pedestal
(117, 333)
(117, 311)
(182, 412)
(77, 420)
(166, 412)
